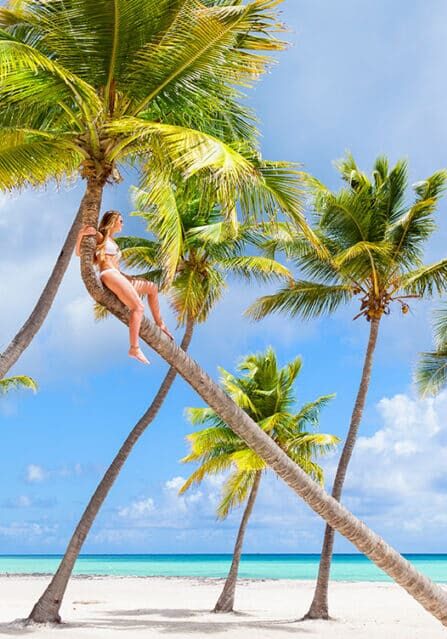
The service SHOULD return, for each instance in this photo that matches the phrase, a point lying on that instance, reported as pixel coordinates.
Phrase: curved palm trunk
(225, 603)
(26, 334)
(46, 610)
(319, 608)
(428, 594)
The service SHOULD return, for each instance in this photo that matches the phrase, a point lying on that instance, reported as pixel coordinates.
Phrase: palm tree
(31, 326)
(83, 89)
(18, 381)
(208, 248)
(87, 87)
(373, 251)
(266, 393)
(431, 373)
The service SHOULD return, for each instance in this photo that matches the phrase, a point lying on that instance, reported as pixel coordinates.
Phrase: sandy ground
(132, 607)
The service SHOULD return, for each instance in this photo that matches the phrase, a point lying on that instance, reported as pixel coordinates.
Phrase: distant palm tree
(373, 247)
(89, 87)
(19, 381)
(431, 373)
(193, 268)
(266, 393)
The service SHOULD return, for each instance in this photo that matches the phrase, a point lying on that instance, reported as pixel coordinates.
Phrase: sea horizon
(352, 567)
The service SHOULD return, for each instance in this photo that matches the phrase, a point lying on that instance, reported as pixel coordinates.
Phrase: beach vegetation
(371, 245)
(267, 393)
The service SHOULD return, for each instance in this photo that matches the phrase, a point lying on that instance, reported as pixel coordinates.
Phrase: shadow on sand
(169, 621)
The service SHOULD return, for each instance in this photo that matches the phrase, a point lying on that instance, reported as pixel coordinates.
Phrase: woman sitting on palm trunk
(127, 288)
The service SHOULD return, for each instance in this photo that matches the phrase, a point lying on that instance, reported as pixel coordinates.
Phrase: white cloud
(398, 474)
(138, 509)
(35, 473)
(175, 483)
(24, 501)
(29, 532)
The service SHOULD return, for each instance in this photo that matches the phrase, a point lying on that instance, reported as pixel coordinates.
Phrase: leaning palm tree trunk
(26, 334)
(319, 608)
(225, 602)
(47, 607)
(428, 594)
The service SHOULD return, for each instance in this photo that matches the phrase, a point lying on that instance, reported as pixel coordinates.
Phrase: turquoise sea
(345, 567)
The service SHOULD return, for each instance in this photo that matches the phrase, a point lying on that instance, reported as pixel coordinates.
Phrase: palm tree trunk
(46, 610)
(225, 603)
(319, 608)
(422, 589)
(26, 334)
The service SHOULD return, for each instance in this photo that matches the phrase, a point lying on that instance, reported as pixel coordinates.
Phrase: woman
(128, 289)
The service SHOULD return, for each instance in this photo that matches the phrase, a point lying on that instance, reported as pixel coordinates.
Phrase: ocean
(350, 567)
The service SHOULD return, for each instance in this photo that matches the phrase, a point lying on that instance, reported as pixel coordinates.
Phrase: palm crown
(266, 393)
(191, 250)
(87, 85)
(372, 245)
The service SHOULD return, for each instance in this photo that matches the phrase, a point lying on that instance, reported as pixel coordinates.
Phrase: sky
(359, 75)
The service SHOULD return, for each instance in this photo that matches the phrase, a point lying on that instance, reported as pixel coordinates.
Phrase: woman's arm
(87, 230)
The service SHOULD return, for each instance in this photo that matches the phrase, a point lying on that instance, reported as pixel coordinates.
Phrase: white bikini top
(111, 248)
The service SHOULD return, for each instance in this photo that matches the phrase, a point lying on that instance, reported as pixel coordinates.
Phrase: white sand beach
(132, 607)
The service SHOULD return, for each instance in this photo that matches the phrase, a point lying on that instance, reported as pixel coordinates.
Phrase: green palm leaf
(308, 299)
(431, 373)
(235, 491)
(266, 391)
(18, 381)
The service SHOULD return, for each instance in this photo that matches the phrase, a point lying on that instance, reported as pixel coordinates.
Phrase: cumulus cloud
(35, 473)
(25, 502)
(28, 532)
(398, 472)
(138, 509)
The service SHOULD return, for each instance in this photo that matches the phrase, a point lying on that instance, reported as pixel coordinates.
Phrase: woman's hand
(88, 230)
(85, 230)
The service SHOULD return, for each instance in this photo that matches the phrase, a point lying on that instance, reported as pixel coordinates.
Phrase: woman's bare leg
(143, 287)
(125, 292)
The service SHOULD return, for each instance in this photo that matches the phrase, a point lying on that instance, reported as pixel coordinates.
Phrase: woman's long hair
(105, 226)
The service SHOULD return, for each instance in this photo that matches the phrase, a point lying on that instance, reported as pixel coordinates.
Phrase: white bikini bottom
(107, 270)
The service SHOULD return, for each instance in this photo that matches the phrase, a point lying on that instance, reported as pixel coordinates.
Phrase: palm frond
(427, 280)
(100, 312)
(29, 157)
(247, 460)
(197, 43)
(307, 299)
(310, 412)
(235, 491)
(440, 327)
(18, 381)
(214, 466)
(255, 267)
(166, 222)
(16, 56)
(431, 373)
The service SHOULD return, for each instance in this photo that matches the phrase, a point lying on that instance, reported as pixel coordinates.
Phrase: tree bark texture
(319, 608)
(30, 328)
(225, 603)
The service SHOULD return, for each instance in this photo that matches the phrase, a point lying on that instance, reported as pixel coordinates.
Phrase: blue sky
(368, 77)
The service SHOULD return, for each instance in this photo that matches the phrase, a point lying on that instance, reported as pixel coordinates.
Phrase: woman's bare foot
(137, 353)
(165, 329)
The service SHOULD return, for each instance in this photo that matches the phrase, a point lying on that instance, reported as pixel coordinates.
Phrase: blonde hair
(105, 226)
